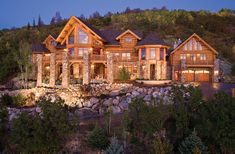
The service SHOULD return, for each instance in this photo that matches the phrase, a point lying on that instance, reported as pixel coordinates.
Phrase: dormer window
(128, 39)
(82, 37)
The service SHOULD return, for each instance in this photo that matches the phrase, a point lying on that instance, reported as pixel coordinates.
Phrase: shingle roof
(110, 36)
(39, 48)
(152, 39)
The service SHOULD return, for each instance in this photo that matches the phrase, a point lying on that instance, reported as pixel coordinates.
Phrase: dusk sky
(17, 13)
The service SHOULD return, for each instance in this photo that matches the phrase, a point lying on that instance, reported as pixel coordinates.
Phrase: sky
(17, 13)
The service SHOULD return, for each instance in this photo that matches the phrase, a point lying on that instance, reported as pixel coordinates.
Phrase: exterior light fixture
(66, 50)
(47, 67)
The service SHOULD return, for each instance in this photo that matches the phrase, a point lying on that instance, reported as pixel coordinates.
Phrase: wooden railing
(98, 57)
(199, 62)
(121, 59)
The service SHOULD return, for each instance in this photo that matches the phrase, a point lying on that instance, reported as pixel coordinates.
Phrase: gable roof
(152, 39)
(128, 31)
(194, 35)
(74, 19)
(49, 36)
(110, 36)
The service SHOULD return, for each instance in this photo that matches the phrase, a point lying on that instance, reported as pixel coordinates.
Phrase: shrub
(3, 126)
(19, 100)
(98, 139)
(123, 74)
(191, 143)
(44, 133)
(13, 101)
(114, 147)
(6, 100)
(233, 70)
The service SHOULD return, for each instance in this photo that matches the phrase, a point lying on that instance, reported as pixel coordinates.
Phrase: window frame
(84, 35)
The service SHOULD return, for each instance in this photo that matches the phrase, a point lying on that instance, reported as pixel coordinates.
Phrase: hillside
(218, 29)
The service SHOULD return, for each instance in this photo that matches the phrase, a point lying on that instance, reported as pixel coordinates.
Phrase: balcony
(198, 62)
(122, 59)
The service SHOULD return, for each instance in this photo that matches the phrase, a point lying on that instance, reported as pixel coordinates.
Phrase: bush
(98, 139)
(3, 126)
(44, 133)
(191, 143)
(233, 70)
(13, 101)
(6, 100)
(114, 147)
(19, 100)
(123, 74)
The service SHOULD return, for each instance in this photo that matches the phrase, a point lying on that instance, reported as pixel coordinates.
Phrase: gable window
(82, 37)
(186, 47)
(81, 51)
(152, 53)
(199, 46)
(182, 56)
(195, 44)
(190, 45)
(71, 39)
(53, 43)
(128, 40)
(202, 56)
(143, 54)
(71, 51)
(161, 53)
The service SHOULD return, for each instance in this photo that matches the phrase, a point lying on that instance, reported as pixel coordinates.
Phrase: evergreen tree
(191, 144)
(114, 147)
(28, 26)
(98, 139)
(40, 22)
(34, 23)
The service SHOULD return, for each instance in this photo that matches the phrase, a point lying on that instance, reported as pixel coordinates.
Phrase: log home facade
(194, 61)
(82, 53)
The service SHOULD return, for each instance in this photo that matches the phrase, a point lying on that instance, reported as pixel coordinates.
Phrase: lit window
(71, 38)
(152, 53)
(182, 56)
(186, 47)
(193, 57)
(202, 56)
(123, 55)
(143, 53)
(190, 45)
(71, 51)
(161, 53)
(82, 36)
(199, 46)
(195, 45)
(81, 51)
(128, 40)
(128, 55)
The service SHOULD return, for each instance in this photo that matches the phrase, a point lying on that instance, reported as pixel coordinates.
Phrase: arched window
(82, 36)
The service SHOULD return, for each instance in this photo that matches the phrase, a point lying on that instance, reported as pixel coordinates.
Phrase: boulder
(147, 98)
(108, 102)
(38, 109)
(123, 105)
(115, 101)
(116, 109)
(135, 93)
(94, 100)
(114, 93)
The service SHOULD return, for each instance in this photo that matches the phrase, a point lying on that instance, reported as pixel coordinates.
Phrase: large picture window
(202, 56)
(82, 37)
(71, 38)
(71, 51)
(182, 56)
(143, 53)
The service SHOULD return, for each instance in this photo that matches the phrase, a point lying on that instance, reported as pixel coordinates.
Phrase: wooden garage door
(202, 75)
(189, 75)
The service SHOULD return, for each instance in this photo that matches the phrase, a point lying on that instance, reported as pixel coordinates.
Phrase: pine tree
(191, 143)
(114, 147)
(40, 22)
(34, 23)
(28, 26)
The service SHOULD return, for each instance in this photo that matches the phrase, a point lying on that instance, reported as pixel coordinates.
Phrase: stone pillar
(65, 69)
(216, 71)
(110, 68)
(76, 70)
(164, 70)
(39, 72)
(52, 70)
(182, 68)
(86, 67)
(139, 69)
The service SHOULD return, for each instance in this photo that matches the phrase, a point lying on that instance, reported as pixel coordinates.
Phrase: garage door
(197, 75)
(202, 75)
(189, 75)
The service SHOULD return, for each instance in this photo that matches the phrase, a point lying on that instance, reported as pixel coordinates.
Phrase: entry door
(152, 71)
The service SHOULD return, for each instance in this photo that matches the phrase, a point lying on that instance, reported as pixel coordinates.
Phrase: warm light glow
(47, 54)
(47, 67)
(91, 49)
(92, 66)
(66, 49)
(107, 52)
(120, 66)
(216, 72)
